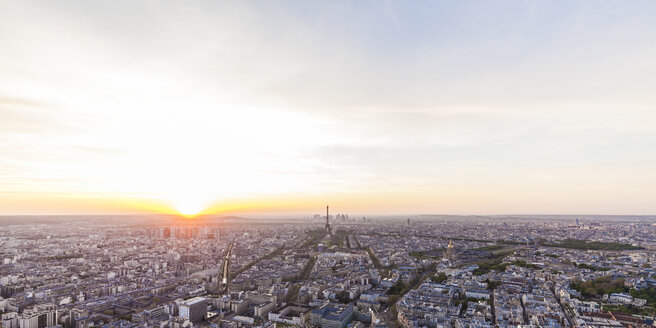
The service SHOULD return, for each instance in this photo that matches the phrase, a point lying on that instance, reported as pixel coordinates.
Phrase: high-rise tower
(327, 228)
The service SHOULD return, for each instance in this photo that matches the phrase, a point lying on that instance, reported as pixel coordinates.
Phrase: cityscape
(328, 164)
(329, 271)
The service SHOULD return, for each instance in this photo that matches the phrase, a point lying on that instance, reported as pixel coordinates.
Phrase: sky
(380, 107)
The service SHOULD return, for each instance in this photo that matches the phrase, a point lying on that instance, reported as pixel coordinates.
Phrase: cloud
(230, 99)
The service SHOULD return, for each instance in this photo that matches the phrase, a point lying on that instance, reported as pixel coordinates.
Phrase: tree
(590, 291)
(343, 296)
(440, 278)
(492, 284)
(396, 288)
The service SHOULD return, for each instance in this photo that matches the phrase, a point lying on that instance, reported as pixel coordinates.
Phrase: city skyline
(281, 107)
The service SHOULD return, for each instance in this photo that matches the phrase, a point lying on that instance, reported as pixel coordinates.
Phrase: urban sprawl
(419, 271)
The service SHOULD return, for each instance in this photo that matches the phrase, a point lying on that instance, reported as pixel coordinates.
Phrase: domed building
(450, 253)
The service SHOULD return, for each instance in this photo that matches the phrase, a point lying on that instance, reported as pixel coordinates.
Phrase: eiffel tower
(327, 229)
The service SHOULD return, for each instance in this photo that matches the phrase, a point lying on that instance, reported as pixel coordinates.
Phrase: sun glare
(189, 207)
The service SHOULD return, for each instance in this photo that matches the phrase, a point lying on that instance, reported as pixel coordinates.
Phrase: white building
(41, 316)
(10, 320)
(620, 298)
(193, 309)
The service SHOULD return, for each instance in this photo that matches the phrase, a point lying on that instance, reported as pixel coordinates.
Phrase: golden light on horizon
(189, 207)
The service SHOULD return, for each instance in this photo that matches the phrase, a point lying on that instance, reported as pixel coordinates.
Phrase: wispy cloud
(218, 100)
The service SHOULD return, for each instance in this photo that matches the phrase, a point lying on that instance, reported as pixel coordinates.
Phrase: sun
(189, 207)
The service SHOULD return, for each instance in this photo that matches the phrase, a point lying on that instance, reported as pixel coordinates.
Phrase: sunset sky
(376, 107)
